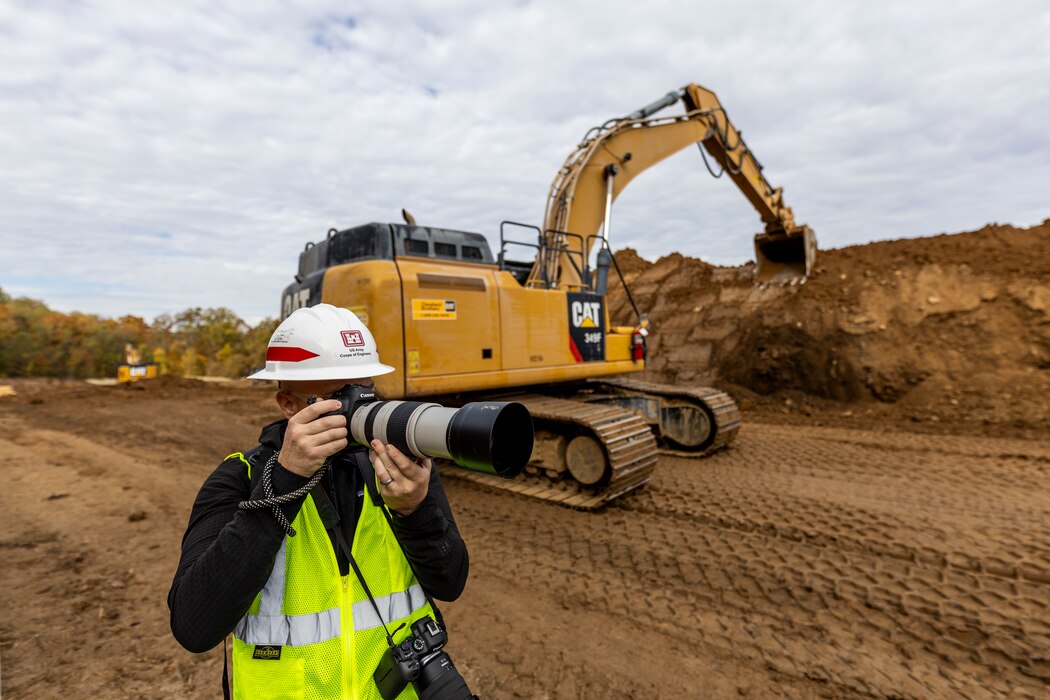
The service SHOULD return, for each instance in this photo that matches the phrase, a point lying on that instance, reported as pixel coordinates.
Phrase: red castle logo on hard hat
(353, 339)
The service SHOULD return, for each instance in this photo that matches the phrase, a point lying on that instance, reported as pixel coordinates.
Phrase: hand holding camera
(403, 483)
(494, 437)
(313, 435)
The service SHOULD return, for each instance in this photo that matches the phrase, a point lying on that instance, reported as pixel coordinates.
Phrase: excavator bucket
(785, 256)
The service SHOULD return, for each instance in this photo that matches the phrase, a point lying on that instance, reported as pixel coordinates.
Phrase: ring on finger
(387, 482)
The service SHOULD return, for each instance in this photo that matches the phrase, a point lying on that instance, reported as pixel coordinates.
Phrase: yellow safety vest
(313, 634)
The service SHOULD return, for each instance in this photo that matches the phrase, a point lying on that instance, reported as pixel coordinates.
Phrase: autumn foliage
(40, 342)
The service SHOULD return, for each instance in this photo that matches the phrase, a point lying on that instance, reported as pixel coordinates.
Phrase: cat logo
(586, 326)
(586, 314)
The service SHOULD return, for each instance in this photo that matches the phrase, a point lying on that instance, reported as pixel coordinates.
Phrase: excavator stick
(785, 256)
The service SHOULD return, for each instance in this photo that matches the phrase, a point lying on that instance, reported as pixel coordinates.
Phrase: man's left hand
(403, 483)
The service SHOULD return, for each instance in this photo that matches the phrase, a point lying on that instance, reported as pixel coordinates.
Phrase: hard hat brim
(269, 373)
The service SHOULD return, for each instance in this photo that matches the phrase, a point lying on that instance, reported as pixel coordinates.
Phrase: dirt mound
(168, 382)
(630, 262)
(165, 384)
(946, 325)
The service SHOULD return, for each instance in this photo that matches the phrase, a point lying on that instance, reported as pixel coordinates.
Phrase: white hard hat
(321, 342)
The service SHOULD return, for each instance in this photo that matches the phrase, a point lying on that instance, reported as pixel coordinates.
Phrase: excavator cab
(785, 257)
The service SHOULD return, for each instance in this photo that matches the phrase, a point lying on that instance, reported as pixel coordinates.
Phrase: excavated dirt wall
(957, 323)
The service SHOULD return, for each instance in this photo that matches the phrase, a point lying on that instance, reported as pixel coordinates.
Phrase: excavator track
(723, 415)
(609, 447)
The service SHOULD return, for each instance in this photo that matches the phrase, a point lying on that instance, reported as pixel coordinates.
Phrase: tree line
(37, 341)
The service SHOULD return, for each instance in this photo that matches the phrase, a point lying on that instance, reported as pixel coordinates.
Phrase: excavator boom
(580, 199)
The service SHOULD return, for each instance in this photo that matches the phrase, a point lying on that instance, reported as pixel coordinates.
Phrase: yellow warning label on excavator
(361, 312)
(413, 362)
(434, 309)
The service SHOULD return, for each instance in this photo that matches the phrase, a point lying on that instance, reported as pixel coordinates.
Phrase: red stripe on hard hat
(285, 354)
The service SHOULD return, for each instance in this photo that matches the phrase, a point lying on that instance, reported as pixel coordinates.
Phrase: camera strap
(330, 518)
(368, 475)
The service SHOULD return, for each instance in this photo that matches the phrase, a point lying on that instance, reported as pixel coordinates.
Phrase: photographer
(264, 557)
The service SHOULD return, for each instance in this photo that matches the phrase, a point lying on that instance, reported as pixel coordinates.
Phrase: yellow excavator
(133, 368)
(460, 324)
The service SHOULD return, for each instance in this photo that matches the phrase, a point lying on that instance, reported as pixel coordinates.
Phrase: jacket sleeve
(227, 554)
(433, 545)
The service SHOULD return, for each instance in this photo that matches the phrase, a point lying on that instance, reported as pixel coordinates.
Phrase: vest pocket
(269, 679)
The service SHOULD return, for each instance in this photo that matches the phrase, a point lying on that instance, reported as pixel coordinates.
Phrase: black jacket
(228, 553)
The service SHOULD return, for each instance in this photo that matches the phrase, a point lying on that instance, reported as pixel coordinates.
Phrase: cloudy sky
(158, 156)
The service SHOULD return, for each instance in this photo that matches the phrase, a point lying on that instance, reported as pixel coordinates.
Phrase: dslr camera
(494, 437)
(419, 660)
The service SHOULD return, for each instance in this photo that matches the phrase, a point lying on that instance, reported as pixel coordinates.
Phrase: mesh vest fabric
(329, 636)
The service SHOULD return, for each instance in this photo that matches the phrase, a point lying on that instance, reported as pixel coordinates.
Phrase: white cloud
(155, 157)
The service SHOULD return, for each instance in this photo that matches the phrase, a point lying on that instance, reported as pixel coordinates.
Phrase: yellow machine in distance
(459, 323)
(133, 368)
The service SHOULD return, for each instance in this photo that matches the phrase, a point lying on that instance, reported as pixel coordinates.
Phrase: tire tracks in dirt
(89, 548)
(851, 559)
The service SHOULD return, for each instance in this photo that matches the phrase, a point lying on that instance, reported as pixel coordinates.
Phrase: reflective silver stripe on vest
(273, 592)
(272, 627)
(289, 630)
(393, 607)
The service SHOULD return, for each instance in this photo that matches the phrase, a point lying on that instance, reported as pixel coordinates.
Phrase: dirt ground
(880, 527)
(806, 561)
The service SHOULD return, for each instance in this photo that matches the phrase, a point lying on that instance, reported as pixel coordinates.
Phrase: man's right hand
(309, 439)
